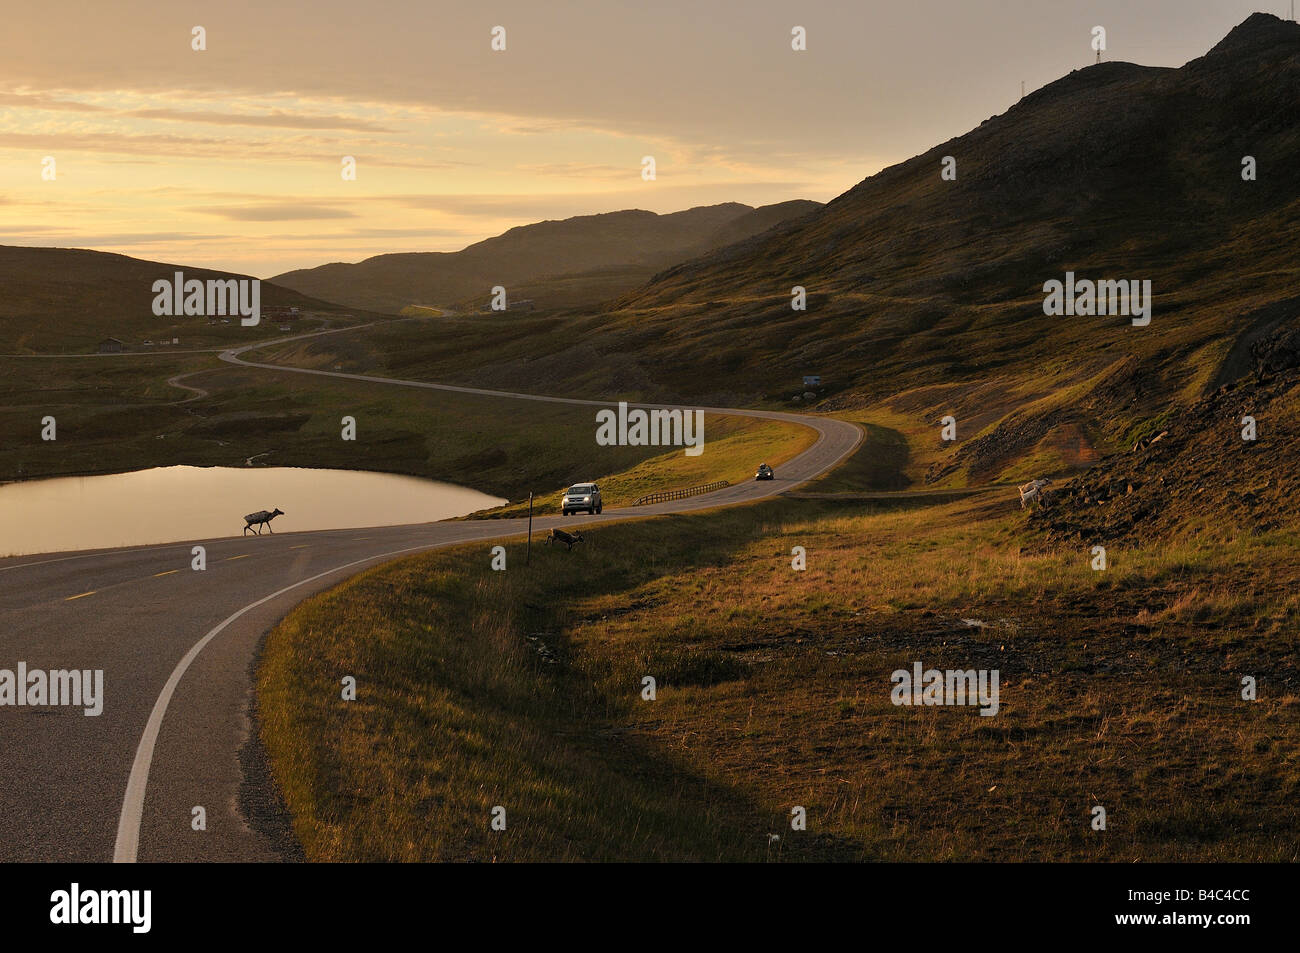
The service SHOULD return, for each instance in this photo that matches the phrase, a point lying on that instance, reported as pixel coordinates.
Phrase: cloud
(47, 236)
(276, 212)
(277, 118)
(27, 100)
(652, 196)
(583, 170)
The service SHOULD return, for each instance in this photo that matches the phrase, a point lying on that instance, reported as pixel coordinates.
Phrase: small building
(811, 380)
(110, 346)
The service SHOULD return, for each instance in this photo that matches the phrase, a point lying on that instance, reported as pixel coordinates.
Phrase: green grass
(118, 414)
(734, 446)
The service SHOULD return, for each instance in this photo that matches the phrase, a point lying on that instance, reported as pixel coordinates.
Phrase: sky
(231, 157)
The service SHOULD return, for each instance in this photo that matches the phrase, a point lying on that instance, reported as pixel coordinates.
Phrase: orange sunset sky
(230, 157)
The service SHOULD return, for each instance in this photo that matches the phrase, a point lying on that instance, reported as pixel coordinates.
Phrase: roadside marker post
(529, 554)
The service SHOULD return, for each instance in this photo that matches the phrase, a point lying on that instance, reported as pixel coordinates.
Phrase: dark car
(764, 472)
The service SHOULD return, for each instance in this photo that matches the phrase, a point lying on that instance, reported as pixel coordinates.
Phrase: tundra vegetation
(522, 688)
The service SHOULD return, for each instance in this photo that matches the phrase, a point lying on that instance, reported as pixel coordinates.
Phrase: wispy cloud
(276, 212)
(276, 118)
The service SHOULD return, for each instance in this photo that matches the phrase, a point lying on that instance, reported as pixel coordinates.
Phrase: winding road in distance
(177, 648)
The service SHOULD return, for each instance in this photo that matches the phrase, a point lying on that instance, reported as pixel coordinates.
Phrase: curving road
(177, 650)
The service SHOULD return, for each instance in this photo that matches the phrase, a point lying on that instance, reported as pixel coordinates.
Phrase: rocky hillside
(925, 296)
(1193, 471)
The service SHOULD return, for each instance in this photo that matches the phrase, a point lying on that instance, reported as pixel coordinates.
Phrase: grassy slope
(578, 261)
(734, 446)
(925, 295)
(521, 688)
(66, 300)
(119, 414)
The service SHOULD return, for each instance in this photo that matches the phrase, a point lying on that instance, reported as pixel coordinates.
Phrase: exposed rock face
(1201, 473)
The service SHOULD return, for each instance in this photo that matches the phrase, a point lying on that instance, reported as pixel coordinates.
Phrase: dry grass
(733, 449)
(522, 688)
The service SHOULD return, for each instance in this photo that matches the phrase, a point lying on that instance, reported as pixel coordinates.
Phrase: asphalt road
(177, 648)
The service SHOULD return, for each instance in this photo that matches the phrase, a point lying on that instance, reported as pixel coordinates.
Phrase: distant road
(177, 649)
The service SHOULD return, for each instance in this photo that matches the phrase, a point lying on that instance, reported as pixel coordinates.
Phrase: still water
(169, 504)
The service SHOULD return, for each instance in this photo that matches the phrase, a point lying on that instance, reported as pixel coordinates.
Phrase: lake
(171, 504)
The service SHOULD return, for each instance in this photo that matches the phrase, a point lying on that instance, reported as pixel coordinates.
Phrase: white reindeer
(1033, 492)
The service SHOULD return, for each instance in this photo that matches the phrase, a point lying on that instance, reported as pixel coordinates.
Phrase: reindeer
(261, 518)
(560, 536)
(1033, 491)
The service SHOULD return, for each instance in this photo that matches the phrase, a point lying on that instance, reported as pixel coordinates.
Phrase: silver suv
(581, 496)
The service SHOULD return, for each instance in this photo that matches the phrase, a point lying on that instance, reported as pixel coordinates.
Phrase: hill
(925, 297)
(66, 300)
(575, 262)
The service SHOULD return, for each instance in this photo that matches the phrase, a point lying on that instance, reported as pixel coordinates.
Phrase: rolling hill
(65, 300)
(575, 262)
(926, 296)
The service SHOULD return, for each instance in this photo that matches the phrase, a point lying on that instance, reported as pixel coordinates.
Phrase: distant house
(812, 380)
(110, 346)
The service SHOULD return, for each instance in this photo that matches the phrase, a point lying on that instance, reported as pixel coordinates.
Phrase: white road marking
(127, 846)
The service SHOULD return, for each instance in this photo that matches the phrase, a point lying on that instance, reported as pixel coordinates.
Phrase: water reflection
(168, 504)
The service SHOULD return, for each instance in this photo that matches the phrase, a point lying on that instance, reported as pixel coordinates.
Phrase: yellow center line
(82, 596)
(245, 556)
(167, 573)
(303, 546)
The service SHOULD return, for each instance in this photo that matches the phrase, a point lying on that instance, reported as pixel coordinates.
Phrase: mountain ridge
(593, 256)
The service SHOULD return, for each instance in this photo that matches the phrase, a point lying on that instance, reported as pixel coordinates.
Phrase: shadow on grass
(473, 695)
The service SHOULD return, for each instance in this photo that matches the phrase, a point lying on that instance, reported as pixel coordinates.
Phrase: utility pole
(529, 554)
(1022, 82)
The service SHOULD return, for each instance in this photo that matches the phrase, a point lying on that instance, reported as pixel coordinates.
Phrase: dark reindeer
(261, 518)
